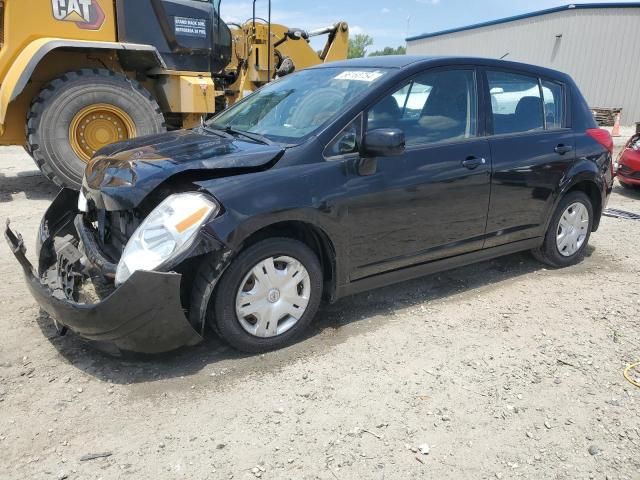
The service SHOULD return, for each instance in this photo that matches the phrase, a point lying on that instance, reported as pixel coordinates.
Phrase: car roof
(402, 62)
(384, 61)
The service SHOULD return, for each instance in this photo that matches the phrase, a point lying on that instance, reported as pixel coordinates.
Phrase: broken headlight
(169, 230)
(83, 205)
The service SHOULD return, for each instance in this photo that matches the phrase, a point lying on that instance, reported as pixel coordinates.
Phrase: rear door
(432, 201)
(532, 147)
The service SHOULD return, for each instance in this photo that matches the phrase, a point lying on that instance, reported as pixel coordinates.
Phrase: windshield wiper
(256, 137)
(216, 131)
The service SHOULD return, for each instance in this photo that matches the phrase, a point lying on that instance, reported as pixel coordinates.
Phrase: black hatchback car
(327, 182)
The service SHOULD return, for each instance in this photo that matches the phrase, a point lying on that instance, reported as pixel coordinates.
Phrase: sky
(388, 22)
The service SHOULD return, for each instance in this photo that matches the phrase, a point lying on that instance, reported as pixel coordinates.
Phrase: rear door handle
(473, 162)
(562, 149)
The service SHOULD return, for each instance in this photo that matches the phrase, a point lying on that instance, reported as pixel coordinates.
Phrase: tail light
(602, 136)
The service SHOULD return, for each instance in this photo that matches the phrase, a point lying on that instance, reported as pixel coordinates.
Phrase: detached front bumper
(143, 315)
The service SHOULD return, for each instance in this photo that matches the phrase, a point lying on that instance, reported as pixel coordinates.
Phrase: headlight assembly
(168, 231)
(83, 205)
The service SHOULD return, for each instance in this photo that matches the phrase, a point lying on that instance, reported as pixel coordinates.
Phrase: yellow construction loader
(77, 75)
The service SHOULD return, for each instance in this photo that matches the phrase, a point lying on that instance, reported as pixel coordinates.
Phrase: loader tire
(82, 111)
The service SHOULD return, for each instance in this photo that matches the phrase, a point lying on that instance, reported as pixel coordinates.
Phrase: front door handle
(473, 162)
(562, 149)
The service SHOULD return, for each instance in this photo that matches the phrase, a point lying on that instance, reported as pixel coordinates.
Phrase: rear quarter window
(554, 104)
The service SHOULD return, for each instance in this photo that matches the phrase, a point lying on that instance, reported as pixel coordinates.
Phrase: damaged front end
(75, 283)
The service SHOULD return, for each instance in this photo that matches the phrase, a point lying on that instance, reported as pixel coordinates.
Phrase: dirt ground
(504, 369)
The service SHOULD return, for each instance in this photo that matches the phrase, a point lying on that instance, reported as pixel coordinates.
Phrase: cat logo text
(86, 14)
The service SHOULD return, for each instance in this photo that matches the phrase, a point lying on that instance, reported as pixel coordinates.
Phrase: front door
(432, 201)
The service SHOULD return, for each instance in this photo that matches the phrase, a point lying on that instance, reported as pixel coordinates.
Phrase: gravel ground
(503, 369)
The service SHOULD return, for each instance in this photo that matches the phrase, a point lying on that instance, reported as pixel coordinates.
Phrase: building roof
(573, 6)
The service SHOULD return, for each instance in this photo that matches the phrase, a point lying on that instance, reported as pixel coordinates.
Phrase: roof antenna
(505, 55)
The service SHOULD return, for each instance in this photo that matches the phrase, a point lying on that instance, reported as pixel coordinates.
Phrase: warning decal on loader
(191, 27)
(86, 14)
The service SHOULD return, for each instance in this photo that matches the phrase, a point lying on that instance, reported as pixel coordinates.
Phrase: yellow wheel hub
(97, 126)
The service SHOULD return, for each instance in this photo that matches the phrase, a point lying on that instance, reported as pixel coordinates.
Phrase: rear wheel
(79, 113)
(569, 231)
(268, 296)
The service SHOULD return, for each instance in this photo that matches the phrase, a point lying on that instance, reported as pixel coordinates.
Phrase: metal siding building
(596, 44)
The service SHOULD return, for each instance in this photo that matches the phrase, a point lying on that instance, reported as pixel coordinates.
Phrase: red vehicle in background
(629, 164)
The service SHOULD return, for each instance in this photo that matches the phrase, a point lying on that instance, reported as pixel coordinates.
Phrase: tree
(358, 45)
(389, 51)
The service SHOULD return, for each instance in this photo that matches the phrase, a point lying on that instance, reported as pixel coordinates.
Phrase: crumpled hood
(123, 174)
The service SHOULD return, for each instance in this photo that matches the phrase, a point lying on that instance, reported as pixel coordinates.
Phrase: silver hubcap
(572, 229)
(273, 296)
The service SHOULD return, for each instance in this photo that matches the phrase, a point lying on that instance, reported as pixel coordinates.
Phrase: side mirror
(383, 142)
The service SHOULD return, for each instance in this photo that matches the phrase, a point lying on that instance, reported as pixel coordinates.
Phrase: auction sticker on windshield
(359, 75)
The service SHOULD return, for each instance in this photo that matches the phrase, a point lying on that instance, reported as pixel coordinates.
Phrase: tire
(550, 252)
(60, 106)
(222, 314)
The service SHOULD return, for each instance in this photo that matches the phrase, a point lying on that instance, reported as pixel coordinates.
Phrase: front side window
(412, 99)
(553, 95)
(300, 104)
(515, 102)
(434, 107)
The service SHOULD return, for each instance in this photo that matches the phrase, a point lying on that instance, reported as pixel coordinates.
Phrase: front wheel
(268, 296)
(568, 235)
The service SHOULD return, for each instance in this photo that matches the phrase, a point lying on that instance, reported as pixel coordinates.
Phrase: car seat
(385, 114)
(528, 115)
(445, 113)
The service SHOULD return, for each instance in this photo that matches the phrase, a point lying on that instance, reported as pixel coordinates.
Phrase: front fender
(26, 62)
(270, 199)
(314, 199)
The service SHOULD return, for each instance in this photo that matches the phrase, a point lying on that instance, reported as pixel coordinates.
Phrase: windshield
(300, 104)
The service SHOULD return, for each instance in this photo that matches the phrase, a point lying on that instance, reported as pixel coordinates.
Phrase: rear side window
(553, 96)
(515, 102)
